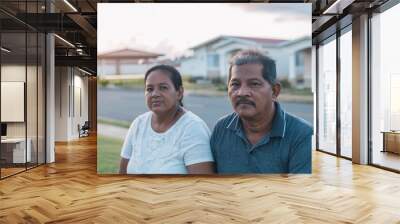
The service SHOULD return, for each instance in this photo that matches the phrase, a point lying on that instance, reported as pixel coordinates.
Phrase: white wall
(12, 101)
(282, 61)
(192, 67)
(195, 65)
(106, 69)
(13, 73)
(33, 125)
(133, 69)
(69, 85)
(62, 81)
(80, 83)
(225, 55)
(109, 67)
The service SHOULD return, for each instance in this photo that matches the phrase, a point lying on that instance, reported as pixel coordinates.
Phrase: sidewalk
(111, 131)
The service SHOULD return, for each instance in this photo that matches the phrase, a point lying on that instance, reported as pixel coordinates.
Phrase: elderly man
(259, 136)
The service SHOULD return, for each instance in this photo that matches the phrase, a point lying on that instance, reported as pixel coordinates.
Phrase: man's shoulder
(297, 125)
(224, 121)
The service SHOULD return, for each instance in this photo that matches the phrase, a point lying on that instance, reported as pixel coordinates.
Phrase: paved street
(120, 104)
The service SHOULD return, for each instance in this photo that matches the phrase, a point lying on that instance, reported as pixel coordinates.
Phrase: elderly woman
(168, 139)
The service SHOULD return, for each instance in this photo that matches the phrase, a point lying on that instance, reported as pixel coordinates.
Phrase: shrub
(119, 83)
(104, 82)
(285, 83)
(217, 80)
(222, 87)
(192, 79)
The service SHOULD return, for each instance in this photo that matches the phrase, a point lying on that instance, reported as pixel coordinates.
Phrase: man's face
(250, 94)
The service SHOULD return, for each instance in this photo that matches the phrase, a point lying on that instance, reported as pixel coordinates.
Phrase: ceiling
(328, 16)
(75, 21)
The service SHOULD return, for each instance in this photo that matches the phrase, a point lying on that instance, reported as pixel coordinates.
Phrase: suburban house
(210, 59)
(125, 62)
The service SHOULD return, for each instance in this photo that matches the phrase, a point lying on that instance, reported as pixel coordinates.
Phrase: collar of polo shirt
(278, 123)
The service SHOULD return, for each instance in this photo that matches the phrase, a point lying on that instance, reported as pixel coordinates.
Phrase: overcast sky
(172, 28)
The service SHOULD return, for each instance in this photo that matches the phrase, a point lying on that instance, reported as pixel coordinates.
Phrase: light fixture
(70, 5)
(337, 7)
(5, 50)
(86, 72)
(64, 40)
(80, 51)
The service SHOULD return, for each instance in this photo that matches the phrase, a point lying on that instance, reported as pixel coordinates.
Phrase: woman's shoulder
(192, 119)
(193, 127)
(140, 119)
(144, 116)
(191, 123)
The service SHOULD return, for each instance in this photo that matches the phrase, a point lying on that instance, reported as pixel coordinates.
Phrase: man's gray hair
(255, 57)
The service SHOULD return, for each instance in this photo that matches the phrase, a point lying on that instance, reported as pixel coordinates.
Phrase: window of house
(299, 58)
(213, 60)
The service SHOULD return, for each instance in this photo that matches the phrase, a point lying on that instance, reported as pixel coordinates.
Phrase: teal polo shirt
(285, 149)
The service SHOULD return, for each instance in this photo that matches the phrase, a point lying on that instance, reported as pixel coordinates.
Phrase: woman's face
(161, 96)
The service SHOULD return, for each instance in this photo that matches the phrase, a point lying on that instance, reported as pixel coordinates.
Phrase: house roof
(261, 40)
(295, 41)
(128, 54)
(174, 63)
(253, 39)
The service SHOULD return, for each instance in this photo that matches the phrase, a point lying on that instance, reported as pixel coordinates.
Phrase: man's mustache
(245, 101)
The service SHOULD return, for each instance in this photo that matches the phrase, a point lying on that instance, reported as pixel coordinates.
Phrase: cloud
(284, 11)
(176, 27)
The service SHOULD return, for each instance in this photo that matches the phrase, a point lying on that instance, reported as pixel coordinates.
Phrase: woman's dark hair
(172, 73)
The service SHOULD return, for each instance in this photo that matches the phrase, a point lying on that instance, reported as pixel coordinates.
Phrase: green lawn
(108, 154)
(138, 84)
(125, 83)
(294, 91)
(118, 123)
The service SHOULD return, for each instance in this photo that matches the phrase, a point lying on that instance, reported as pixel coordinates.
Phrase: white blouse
(185, 143)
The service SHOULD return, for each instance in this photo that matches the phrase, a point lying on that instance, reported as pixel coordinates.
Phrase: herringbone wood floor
(70, 191)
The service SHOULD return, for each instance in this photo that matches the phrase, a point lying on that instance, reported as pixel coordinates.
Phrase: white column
(50, 100)
(71, 103)
(50, 92)
(223, 65)
(314, 91)
(360, 90)
(292, 67)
